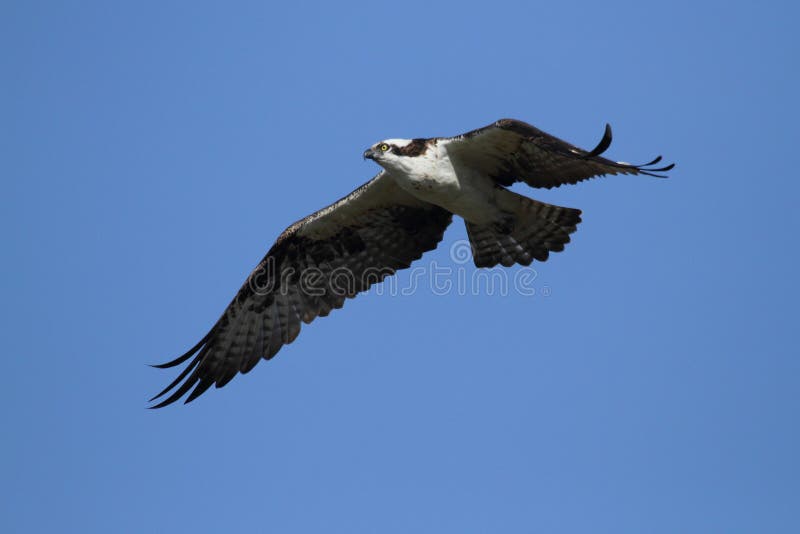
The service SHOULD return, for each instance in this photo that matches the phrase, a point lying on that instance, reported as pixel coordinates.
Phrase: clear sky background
(151, 152)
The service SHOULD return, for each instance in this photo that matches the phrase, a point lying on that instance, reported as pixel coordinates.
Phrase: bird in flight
(387, 223)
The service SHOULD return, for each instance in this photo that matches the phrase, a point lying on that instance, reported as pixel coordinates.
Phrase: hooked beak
(369, 154)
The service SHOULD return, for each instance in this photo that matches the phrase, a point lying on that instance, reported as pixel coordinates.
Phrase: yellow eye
(384, 147)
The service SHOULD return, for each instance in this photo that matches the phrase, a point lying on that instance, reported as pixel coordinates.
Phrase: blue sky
(151, 152)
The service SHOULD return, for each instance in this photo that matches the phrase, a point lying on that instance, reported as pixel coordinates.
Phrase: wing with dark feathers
(313, 267)
(512, 151)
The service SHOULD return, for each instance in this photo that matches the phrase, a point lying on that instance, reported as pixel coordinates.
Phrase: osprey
(387, 223)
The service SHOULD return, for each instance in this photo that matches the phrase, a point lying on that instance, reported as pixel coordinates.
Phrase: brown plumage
(384, 225)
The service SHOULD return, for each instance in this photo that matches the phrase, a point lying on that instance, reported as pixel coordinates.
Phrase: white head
(395, 153)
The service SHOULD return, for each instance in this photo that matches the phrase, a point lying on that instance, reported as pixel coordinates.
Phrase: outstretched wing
(511, 151)
(315, 265)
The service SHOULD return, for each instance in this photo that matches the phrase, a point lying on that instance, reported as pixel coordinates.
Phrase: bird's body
(387, 223)
(432, 176)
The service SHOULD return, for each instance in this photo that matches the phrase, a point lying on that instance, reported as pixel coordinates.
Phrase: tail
(529, 231)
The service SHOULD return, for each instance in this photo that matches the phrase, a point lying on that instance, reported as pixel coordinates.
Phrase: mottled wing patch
(313, 267)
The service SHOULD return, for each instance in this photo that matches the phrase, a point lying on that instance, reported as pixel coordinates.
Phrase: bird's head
(394, 152)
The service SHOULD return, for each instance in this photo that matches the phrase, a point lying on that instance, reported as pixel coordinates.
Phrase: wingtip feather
(182, 358)
(603, 145)
(180, 376)
(201, 387)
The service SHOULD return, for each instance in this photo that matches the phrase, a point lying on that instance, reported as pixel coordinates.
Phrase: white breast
(428, 176)
(432, 177)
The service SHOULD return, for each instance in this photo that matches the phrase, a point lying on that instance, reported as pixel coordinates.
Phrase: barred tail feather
(533, 230)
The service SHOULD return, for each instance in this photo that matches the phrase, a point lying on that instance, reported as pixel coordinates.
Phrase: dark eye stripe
(416, 147)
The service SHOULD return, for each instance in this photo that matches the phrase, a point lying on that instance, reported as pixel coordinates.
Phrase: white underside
(432, 177)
